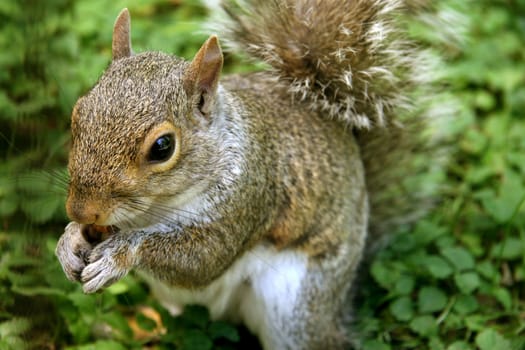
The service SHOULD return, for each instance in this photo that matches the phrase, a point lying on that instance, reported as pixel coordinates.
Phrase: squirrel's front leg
(73, 250)
(187, 257)
(94, 263)
(109, 261)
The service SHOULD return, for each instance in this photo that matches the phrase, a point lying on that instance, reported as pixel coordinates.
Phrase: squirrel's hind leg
(295, 302)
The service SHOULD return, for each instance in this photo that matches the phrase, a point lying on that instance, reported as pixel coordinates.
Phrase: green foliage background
(454, 281)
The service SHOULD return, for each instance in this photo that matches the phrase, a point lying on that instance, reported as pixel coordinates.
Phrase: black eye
(162, 148)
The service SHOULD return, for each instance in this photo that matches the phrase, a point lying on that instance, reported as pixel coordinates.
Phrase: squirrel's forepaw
(107, 264)
(72, 251)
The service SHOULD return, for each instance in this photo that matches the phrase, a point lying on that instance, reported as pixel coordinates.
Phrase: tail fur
(350, 60)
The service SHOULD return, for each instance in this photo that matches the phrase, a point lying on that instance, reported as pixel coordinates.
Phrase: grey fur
(304, 159)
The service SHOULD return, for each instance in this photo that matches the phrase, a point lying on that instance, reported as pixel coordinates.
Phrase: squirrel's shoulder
(261, 96)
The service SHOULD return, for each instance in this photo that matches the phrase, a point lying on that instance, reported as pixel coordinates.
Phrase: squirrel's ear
(202, 77)
(121, 36)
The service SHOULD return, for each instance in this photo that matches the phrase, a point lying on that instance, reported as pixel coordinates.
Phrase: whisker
(42, 181)
(159, 208)
(165, 206)
(156, 213)
(123, 216)
(267, 262)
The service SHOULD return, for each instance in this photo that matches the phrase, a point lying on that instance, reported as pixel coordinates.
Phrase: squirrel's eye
(162, 148)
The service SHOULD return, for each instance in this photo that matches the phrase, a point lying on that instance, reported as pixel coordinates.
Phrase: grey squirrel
(255, 195)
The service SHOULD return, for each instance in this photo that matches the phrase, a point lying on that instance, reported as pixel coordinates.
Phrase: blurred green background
(454, 281)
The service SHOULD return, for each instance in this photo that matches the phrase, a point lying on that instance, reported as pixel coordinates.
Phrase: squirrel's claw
(72, 251)
(104, 269)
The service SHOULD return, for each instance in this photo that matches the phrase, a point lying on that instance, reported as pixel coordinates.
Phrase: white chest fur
(260, 285)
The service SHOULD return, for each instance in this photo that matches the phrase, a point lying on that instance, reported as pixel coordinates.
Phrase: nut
(95, 234)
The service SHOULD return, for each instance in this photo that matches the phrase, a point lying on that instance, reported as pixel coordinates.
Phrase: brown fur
(309, 56)
(301, 160)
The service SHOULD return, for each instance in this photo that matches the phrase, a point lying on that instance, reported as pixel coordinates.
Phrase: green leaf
(459, 345)
(120, 287)
(196, 315)
(472, 242)
(511, 248)
(437, 266)
(383, 275)
(375, 345)
(465, 304)
(431, 299)
(402, 308)
(504, 296)
(15, 326)
(435, 343)
(404, 285)
(459, 257)
(474, 142)
(477, 175)
(510, 196)
(518, 160)
(79, 329)
(485, 100)
(445, 241)
(219, 329)
(84, 302)
(41, 209)
(489, 339)
(403, 243)
(427, 232)
(425, 325)
(196, 340)
(476, 322)
(467, 282)
(487, 270)
(8, 205)
(453, 320)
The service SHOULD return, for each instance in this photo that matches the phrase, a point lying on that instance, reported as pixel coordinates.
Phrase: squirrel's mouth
(95, 233)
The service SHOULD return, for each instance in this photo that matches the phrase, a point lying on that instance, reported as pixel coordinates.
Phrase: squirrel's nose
(84, 212)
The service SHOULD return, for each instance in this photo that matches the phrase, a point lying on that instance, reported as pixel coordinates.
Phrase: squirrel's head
(138, 137)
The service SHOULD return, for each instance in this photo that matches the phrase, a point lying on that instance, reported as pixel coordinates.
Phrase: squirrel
(256, 195)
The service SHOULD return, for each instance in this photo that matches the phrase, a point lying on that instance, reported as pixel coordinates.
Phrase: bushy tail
(351, 61)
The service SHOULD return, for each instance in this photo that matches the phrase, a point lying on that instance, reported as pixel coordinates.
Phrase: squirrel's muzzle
(95, 234)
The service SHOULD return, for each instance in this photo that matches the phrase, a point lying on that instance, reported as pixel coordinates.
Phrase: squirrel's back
(351, 62)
